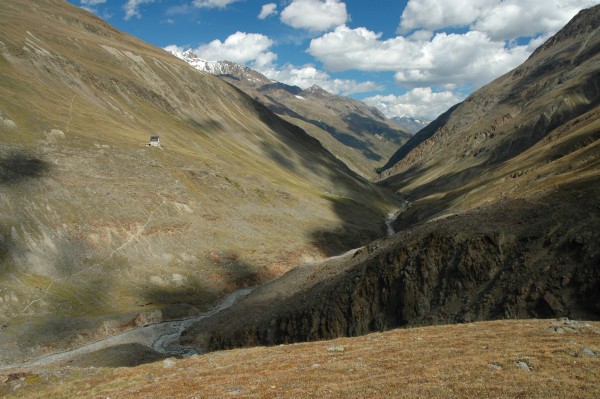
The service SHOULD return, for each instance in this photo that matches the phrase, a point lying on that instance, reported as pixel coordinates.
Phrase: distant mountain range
(409, 124)
(359, 135)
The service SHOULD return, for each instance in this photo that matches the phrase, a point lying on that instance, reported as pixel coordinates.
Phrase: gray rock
(552, 302)
(523, 365)
(336, 348)
(495, 366)
(168, 363)
(589, 352)
(565, 321)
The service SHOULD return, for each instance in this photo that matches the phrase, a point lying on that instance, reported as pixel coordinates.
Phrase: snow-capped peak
(189, 54)
(192, 58)
(219, 67)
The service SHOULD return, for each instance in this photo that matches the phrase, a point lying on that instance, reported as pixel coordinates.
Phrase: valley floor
(499, 359)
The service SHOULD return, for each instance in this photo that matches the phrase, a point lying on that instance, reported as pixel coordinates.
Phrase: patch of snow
(300, 97)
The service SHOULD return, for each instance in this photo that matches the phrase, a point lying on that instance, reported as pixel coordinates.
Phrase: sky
(412, 58)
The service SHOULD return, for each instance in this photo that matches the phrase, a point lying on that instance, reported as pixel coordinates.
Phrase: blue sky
(408, 58)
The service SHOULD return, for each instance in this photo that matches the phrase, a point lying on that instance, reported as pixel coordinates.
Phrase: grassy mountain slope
(99, 232)
(514, 136)
(357, 134)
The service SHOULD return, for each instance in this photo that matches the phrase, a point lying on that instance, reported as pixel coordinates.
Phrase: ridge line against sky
(411, 58)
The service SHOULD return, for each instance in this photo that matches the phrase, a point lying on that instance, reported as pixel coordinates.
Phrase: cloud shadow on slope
(359, 226)
(191, 298)
(17, 167)
(358, 123)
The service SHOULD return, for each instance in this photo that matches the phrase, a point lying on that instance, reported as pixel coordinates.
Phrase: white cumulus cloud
(315, 15)
(359, 48)
(240, 47)
(267, 10)
(419, 102)
(212, 3)
(471, 58)
(308, 75)
(435, 14)
(511, 19)
(175, 49)
(430, 51)
(92, 2)
(500, 19)
(132, 8)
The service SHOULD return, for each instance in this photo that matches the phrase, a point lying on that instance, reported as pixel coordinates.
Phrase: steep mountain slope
(99, 232)
(359, 135)
(503, 219)
(531, 117)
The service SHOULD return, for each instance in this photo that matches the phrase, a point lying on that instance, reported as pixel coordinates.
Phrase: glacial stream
(163, 337)
(168, 342)
(389, 220)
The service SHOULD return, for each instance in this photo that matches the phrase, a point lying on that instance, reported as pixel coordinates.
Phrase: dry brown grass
(453, 361)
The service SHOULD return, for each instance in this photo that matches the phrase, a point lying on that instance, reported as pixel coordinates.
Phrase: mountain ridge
(413, 125)
(526, 82)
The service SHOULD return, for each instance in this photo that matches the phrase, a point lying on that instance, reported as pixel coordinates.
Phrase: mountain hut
(154, 141)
